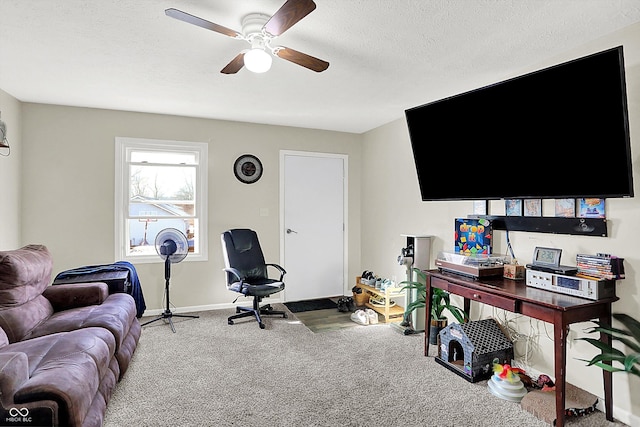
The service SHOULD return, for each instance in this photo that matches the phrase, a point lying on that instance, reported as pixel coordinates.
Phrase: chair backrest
(242, 251)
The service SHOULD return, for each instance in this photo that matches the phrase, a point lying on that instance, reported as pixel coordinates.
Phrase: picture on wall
(513, 207)
(533, 207)
(473, 236)
(566, 208)
(591, 208)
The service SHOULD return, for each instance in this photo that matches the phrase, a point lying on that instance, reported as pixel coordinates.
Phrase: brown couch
(63, 348)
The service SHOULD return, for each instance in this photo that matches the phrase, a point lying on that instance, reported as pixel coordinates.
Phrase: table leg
(427, 320)
(560, 360)
(605, 321)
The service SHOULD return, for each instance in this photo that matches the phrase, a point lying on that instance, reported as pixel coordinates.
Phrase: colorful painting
(566, 208)
(591, 208)
(533, 207)
(513, 207)
(473, 236)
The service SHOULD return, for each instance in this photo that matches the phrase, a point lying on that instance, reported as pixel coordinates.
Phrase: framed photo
(591, 208)
(566, 208)
(533, 207)
(480, 207)
(513, 207)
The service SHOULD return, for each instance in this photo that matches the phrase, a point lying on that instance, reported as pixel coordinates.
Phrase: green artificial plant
(440, 300)
(629, 336)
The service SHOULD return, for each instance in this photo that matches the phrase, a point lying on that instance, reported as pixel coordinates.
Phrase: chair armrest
(279, 268)
(72, 295)
(234, 272)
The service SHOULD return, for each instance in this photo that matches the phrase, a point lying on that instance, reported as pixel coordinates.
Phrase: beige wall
(69, 190)
(391, 206)
(10, 174)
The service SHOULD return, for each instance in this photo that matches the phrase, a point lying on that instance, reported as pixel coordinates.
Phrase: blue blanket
(136, 289)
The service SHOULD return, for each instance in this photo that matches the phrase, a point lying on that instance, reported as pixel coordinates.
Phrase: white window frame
(123, 146)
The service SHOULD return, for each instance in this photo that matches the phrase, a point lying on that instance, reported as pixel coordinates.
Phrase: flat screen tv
(560, 132)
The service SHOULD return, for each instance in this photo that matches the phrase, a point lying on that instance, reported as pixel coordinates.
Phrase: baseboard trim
(196, 308)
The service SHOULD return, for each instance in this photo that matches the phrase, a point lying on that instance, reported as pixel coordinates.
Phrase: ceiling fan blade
(291, 12)
(300, 58)
(183, 16)
(235, 65)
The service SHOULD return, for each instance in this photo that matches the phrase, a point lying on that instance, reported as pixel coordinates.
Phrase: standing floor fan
(172, 246)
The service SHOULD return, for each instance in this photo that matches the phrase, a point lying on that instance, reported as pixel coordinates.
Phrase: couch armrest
(64, 297)
(14, 370)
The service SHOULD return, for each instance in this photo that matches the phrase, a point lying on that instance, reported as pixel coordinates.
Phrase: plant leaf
(609, 368)
(630, 323)
(608, 357)
(604, 348)
(632, 345)
(631, 360)
(608, 330)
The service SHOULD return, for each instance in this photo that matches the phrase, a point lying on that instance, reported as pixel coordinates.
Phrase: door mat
(542, 404)
(310, 305)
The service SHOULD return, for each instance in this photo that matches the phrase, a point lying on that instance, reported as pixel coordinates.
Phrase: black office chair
(247, 273)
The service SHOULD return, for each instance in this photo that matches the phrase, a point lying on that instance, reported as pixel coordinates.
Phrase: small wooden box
(514, 272)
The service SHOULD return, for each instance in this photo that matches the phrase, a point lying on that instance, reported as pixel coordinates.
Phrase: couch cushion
(24, 275)
(4, 340)
(17, 322)
(66, 368)
(116, 314)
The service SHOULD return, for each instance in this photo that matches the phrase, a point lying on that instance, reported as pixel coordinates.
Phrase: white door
(313, 224)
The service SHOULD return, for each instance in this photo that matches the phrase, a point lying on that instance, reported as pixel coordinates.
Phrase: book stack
(600, 266)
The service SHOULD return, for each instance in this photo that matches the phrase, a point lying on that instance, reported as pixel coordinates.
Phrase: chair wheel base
(256, 313)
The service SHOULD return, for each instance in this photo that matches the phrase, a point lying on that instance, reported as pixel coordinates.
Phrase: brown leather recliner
(63, 348)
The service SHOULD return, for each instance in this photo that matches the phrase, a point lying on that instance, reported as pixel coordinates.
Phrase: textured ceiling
(385, 56)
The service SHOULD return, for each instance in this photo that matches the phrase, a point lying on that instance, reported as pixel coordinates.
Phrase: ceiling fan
(260, 30)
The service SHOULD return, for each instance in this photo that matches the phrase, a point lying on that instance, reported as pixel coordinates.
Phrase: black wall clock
(247, 168)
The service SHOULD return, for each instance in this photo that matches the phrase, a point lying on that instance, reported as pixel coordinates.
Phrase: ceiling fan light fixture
(257, 60)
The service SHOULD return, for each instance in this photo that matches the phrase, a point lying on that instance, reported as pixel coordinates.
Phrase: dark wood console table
(558, 309)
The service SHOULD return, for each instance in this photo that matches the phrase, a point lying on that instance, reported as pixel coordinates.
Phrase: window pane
(162, 182)
(143, 232)
(167, 157)
(143, 208)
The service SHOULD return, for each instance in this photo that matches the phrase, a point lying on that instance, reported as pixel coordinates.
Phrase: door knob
(289, 231)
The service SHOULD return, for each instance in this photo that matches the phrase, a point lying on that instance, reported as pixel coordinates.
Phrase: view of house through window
(161, 186)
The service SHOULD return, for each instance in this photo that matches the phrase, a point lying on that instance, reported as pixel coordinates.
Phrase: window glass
(159, 185)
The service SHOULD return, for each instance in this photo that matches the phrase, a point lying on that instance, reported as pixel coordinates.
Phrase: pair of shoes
(359, 316)
(365, 317)
(351, 305)
(346, 304)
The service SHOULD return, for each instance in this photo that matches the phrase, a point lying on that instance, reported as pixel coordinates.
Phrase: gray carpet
(210, 373)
